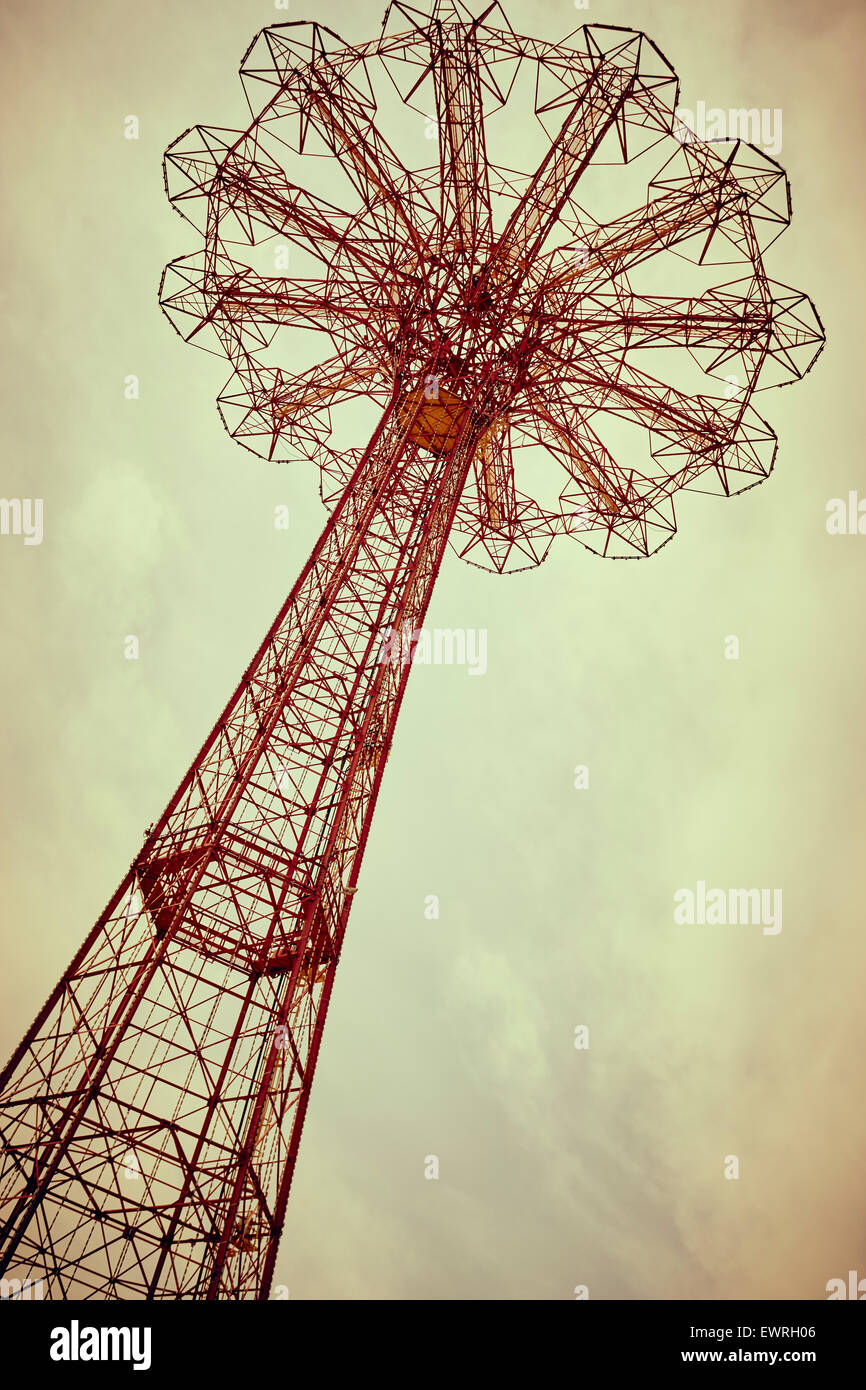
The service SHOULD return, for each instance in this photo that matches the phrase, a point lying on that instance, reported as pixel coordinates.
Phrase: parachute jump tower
(499, 331)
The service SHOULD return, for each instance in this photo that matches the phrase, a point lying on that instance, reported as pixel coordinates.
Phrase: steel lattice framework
(152, 1114)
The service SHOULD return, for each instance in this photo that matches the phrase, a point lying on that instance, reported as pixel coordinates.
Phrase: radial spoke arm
(314, 225)
(621, 321)
(268, 410)
(231, 294)
(603, 251)
(589, 120)
(297, 303)
(564, 435)
(493, 468)
(694, 422)
(322, 385)
(345, 123)
(462, 154)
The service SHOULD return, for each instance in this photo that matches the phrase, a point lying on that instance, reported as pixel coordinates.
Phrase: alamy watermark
(757, 127)
(846, 518)
(439, 646)
(77, 1343)
(21, 1288)
(729, 907)
(855, 1288)
(22, 516)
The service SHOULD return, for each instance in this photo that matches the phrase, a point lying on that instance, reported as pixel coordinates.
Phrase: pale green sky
(454, 1037)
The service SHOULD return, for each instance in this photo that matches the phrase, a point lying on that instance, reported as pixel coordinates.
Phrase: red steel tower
(151, 1116)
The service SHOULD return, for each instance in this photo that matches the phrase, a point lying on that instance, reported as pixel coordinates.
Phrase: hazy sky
(455, 1037)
